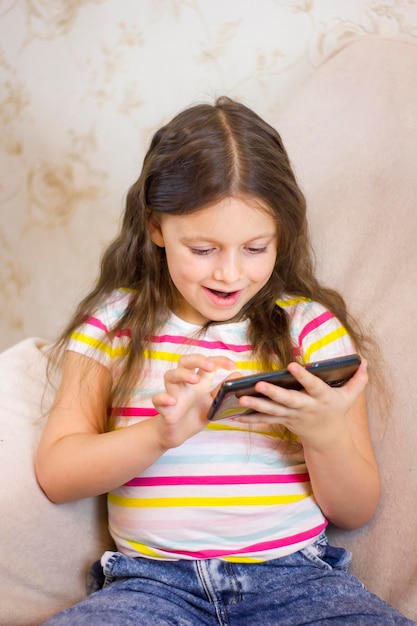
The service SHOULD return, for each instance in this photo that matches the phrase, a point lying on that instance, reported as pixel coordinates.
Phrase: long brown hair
(205, 154)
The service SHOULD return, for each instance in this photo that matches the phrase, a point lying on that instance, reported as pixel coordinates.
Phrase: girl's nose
(229, 269)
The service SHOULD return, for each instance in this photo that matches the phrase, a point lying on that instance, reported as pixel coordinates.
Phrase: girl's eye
(206, 251)
(201, 251)
(257, 250)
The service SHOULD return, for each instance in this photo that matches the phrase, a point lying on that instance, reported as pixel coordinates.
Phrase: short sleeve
(317, 334)
(95, 338)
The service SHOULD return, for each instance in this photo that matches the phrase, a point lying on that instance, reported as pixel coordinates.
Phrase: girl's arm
(77, 458)
(333, 428)
(343, 471)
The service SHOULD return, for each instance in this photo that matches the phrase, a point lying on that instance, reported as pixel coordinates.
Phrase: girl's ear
(155, 231)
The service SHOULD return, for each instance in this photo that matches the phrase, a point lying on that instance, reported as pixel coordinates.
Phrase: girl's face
(218, 257)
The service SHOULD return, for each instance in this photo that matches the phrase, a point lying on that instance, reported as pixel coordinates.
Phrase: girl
(211, 276)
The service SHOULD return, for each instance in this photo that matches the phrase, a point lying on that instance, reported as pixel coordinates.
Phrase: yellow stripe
(173, 357)
(220, 426)
(143, 503)
(99, 345)
(241, 427)
(140, 547)
(162, 356)
(241, 559)
(324, 341)
(249, 365)
(291, 301)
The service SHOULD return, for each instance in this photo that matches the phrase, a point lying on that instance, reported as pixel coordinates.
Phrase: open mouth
(225, 298)
(222, 294)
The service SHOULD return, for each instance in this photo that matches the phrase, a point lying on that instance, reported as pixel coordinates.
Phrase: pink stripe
(318, 321)
(133, 412)
(257, 547)
(123, 332)
(218, 345)
(94, 321)
(217, 480)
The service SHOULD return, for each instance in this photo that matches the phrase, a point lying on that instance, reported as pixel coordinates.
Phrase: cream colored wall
(83, 85)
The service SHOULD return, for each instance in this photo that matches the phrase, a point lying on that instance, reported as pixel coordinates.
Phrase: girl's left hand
(331, 423)
(316, 414)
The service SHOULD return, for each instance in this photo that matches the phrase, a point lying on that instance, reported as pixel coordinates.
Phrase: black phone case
(335, 372)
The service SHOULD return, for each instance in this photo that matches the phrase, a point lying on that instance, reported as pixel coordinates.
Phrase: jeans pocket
(325, 556)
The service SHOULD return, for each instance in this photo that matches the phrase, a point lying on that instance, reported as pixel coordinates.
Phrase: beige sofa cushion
(352, 134)
(46, 549)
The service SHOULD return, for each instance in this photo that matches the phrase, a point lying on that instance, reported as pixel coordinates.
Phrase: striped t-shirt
(230, 492)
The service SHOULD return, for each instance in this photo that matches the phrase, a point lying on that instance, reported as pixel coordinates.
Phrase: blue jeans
(309, 587)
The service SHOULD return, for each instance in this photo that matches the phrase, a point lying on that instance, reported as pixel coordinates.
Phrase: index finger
(312, 384)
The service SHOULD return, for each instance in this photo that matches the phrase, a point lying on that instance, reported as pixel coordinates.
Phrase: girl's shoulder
(96, 337)
(121, 296)
(299, 306)
(316, 332)
(302, 310)
(113, 306)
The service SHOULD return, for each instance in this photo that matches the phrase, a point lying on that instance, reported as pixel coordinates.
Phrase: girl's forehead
(230, 209)
(231, 218)
(235, 211)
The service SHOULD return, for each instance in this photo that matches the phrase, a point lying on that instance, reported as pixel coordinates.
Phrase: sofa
(351, 131)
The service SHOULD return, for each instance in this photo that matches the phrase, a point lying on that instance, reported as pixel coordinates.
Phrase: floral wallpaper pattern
(83, 85)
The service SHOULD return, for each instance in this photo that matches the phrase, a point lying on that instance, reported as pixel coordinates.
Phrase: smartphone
(335, 372)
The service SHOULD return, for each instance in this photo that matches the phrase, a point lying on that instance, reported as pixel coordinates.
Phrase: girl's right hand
(183, 407)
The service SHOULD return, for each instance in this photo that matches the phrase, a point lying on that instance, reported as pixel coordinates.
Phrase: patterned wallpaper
(83, 85)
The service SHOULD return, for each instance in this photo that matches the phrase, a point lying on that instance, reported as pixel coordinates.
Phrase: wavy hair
(202, 156)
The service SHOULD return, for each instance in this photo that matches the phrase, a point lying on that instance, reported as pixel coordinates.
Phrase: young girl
(211, 276)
